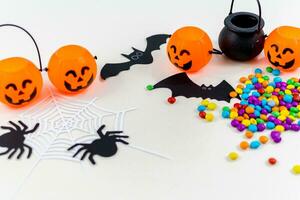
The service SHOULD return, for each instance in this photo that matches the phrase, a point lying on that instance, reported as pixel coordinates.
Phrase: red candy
(171, 100)
(202, 114)
(272, 161)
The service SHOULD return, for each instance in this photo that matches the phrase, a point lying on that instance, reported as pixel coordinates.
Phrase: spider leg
(113, 132)
(75, 145)
(25, 127)
(8, 128)
(92, 159)
(78, 151)
(29, 150)
(84, 154)
(21, 152)
(12, 154)
(5, 152)
(33, 130)
(119, 136)
(100, 131)
(122, 141)
(15, 125)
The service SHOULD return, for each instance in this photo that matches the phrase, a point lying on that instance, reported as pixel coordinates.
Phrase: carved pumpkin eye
(275, 47)
(26, 82)
(184, 52)
(84, 70)
(174, 48)
(71, 72)
(11, 85)
(287, 50)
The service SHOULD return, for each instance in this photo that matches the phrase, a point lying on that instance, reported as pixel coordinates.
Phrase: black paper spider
(14, 139)
(105, 146)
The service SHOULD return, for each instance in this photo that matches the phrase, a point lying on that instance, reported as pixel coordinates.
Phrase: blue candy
(258, 71)
(255, 144)
(277, 79)
(276, 72)
(245, 96)
(201, 108)
(270, 125)
(252, 128)
(288, 98)
(225, 114)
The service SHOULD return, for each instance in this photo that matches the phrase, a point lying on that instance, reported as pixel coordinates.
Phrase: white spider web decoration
(58, 117)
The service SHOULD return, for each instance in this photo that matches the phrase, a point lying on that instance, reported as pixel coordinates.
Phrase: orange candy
(243, 79)
(244, 145)
(263, 139)
(233, 94)
(249, 134)
(249, 110)
(240, 118)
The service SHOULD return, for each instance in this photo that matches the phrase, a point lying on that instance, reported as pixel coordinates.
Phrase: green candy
(294, 109)
(276, 114)
(290, 82)
(260, 121)
(281, 93)
(269, 69)
(226, 108)
(266, 78)
(267, 95)
(297, 84)
(149, 87)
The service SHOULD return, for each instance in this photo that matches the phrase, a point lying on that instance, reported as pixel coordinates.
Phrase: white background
(198, 168)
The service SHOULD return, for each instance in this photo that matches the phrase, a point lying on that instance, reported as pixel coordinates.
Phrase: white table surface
(197, 167)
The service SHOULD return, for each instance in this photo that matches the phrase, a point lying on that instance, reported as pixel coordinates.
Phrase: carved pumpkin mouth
(277, 64)
(21, 101)
(69, 86)
(186, 66)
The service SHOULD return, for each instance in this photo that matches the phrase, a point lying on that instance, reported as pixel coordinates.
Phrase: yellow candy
(269, 89)
(296, 169)
(285, 113)
(298, 114)
(287, 92)
(260, 80)
(205, 102)
(211, 106)
(253, 121)
(282, 118)
(292, 118)
(233, 115)
(279, 128)
(239, 90)
(290, 87)
(246, 122)
(234, 156)
(248, 82)
(209, 117)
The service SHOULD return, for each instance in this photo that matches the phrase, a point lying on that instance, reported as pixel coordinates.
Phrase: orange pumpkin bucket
(282, 48)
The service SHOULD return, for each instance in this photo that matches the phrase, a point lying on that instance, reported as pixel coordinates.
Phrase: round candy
(252, 128)
(272, 161)
(149, 87)
(171, 100)
(254, 144)
(296, 169)
(270, 125)
(249, 134)
(263, 139)
(202, 114)
(211, 106)
(233, 156)
(205, 102)
(244, 145)
(233, 94)
(269, 69)
(201, 108)
(225, 114)
(258, 71)
(209, 117)
(276, 72)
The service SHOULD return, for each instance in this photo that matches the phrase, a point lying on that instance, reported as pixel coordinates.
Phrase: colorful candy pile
(266, 103)
(203, 107)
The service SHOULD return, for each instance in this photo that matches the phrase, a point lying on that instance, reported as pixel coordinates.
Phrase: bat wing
(181, 85)
(155, 41)
(114, 69)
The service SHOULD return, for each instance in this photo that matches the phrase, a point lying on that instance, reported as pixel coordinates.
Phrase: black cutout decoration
(105, 146)
(181, 85)
(136, 57)
(14, 139)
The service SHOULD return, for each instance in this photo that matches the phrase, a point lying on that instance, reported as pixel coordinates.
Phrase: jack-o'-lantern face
(20, 82)
(72, 69)
(189, 49)
(282, 48)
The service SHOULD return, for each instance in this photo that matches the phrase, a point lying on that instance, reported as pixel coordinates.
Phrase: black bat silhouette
(136, 57)
(181, 85)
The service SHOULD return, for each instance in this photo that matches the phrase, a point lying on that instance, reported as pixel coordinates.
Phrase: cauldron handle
(259, 8)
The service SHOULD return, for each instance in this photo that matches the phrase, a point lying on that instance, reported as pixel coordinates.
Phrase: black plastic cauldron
(243, 37)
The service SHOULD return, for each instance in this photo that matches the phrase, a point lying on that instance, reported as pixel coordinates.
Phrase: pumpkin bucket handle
(36, 46)
(259, 9)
